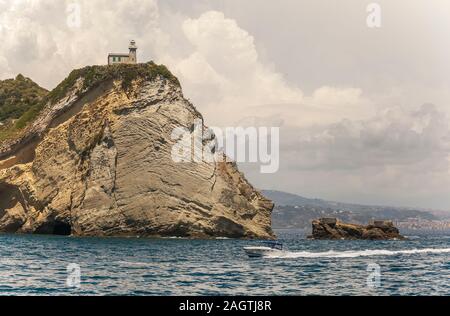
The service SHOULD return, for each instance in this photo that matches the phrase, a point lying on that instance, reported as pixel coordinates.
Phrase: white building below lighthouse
(130, 58)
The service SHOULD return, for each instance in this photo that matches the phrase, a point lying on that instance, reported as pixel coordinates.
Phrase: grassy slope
(17, 97)
(93, 76)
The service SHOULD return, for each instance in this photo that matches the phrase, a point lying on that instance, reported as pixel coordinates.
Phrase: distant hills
(294, 211)
(283, 198)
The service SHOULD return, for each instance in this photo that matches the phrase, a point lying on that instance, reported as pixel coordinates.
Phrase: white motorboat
(270, 249)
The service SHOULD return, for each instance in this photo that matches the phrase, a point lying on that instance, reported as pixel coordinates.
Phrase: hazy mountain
(294, 211)
(284, 198)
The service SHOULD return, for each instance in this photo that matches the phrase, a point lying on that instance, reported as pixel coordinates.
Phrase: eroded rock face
(100, 165)
(327, 228)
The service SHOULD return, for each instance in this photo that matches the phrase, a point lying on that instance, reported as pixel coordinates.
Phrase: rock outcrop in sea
(96, 161)
(331, 228)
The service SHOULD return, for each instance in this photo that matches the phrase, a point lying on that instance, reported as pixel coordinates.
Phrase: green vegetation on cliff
(17, 96)
(95, 75)
(22, 100)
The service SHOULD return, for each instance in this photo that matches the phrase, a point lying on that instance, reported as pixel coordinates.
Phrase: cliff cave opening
(62, 229)
(54, 227)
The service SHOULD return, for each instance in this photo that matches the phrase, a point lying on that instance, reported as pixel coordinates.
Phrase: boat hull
(258, 252)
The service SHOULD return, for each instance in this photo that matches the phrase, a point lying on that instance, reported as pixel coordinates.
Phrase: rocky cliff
(330, 228)
(97, 162)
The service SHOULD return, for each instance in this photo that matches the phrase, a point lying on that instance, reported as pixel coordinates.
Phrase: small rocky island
(332, 228)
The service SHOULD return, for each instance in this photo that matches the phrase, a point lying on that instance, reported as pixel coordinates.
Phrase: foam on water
(358, 253)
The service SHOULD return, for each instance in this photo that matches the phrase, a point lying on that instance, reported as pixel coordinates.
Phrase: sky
(363, 111)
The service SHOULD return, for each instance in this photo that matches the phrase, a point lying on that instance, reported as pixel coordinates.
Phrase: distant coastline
(297, 212)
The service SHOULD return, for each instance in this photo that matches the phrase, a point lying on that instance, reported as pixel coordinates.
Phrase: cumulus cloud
(225, 61)
(224, 75)
(47, 39)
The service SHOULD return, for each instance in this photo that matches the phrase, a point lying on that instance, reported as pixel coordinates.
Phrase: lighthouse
(133, 51)
(130, 58)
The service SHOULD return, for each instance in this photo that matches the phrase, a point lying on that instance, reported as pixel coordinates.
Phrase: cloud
(44, 40)
(394, 137)
(212, 32)
(223, 72)
(225, 76)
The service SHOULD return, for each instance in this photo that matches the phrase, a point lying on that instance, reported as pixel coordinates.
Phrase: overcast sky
(363, 111)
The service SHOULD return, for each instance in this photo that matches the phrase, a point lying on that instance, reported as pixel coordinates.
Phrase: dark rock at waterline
(331, 228)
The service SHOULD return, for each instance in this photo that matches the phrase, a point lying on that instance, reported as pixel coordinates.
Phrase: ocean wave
(357, 253)
(134, 264)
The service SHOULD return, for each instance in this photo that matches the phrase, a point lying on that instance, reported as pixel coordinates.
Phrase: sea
(56, 265)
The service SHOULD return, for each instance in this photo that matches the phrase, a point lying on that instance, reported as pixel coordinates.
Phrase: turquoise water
(37, 265)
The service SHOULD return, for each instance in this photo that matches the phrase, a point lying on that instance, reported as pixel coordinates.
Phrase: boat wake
(355, 254)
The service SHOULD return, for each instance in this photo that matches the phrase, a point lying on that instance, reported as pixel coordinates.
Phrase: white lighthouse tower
(133, 52)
